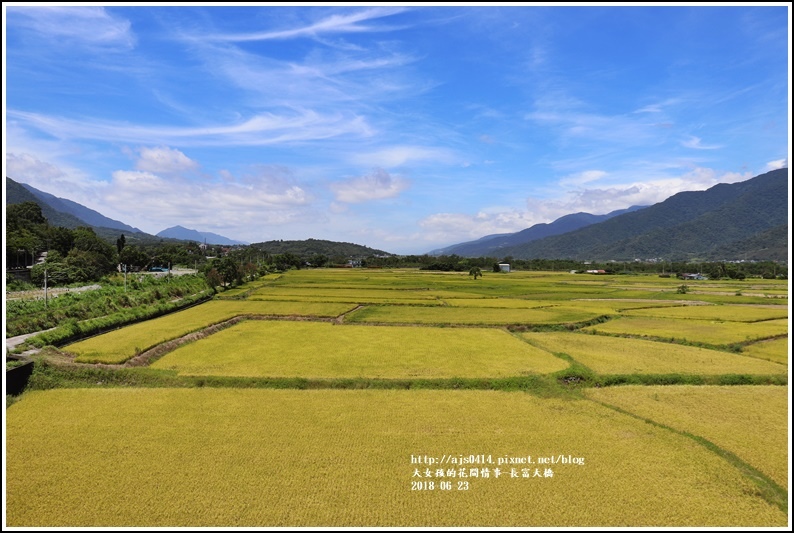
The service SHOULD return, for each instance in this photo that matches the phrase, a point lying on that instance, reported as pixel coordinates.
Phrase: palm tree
(475, 271)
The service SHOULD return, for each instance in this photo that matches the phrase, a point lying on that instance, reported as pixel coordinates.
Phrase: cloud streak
(334, 24)
(696, 144)
(396, 156)
(261, 129)
(92, 26)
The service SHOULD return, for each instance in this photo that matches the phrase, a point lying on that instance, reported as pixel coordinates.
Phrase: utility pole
(45, 287)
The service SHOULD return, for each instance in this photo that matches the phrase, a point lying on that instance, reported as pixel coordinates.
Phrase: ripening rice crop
(452, 295)
(723, 313)
(342, 294)
(776, 350)
(341, 299)
(245, 287)
(470, 315)
(703, 331)
(617, 304)
(323, 350)
(324, 458)
(122, 344)
(505, 303)
(749, 421)
(617, 355)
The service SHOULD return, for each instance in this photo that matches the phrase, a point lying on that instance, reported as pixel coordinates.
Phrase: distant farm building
(693, 276)
(504, 267)
(596, 271)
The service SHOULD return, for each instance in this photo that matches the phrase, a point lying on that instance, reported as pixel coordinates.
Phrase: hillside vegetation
(688, 226)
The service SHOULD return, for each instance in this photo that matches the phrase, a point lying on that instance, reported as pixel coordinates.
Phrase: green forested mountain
(493, 245)
(700, 225)
(769, 245)
(87, 215)
(16, 193)
(311, 247)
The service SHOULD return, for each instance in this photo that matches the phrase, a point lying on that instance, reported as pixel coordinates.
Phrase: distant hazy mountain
(694, 225)
(494, 245)
(178, 232)
(88, 216)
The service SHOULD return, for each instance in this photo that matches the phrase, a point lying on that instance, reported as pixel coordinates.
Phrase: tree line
(80, 255)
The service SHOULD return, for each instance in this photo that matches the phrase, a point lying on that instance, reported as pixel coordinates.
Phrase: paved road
(38, 294)
(13, 342)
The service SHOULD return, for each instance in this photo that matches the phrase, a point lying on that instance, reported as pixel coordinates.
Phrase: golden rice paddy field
(323, 350)
(776, 350)
(599, 306)
(723, 313)
(351, 294)
(720, 414)
(344, 299)
(470, 316)
(722, 296)
(259, 458)
(161, 448)
(703, 331)
(615, 355)
(123, 344)
(504, 303)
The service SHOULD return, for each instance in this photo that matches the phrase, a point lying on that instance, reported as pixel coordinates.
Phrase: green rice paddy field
(403, 398)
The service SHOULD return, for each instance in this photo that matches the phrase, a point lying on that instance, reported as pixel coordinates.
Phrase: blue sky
(397, 127)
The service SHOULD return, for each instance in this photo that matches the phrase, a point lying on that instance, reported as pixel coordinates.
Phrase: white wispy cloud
(575, 121)
(319, 80)
(164, 160)
(697, 144)
(653, 108)
(624, 129)
(337, 23)
(461, 227)
(396, 156)
(776, 164)
(261, 129)
(649, 191)
(581, 178)
(54, 177)
(79, 25)
(23, 167)
(264, 197)
(659, 107)
(375, 186)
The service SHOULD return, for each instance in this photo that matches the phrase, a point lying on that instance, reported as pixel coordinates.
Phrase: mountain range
(84, 214)
(745, 220)
(184, 234)
(491, 245)
(70, 214)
